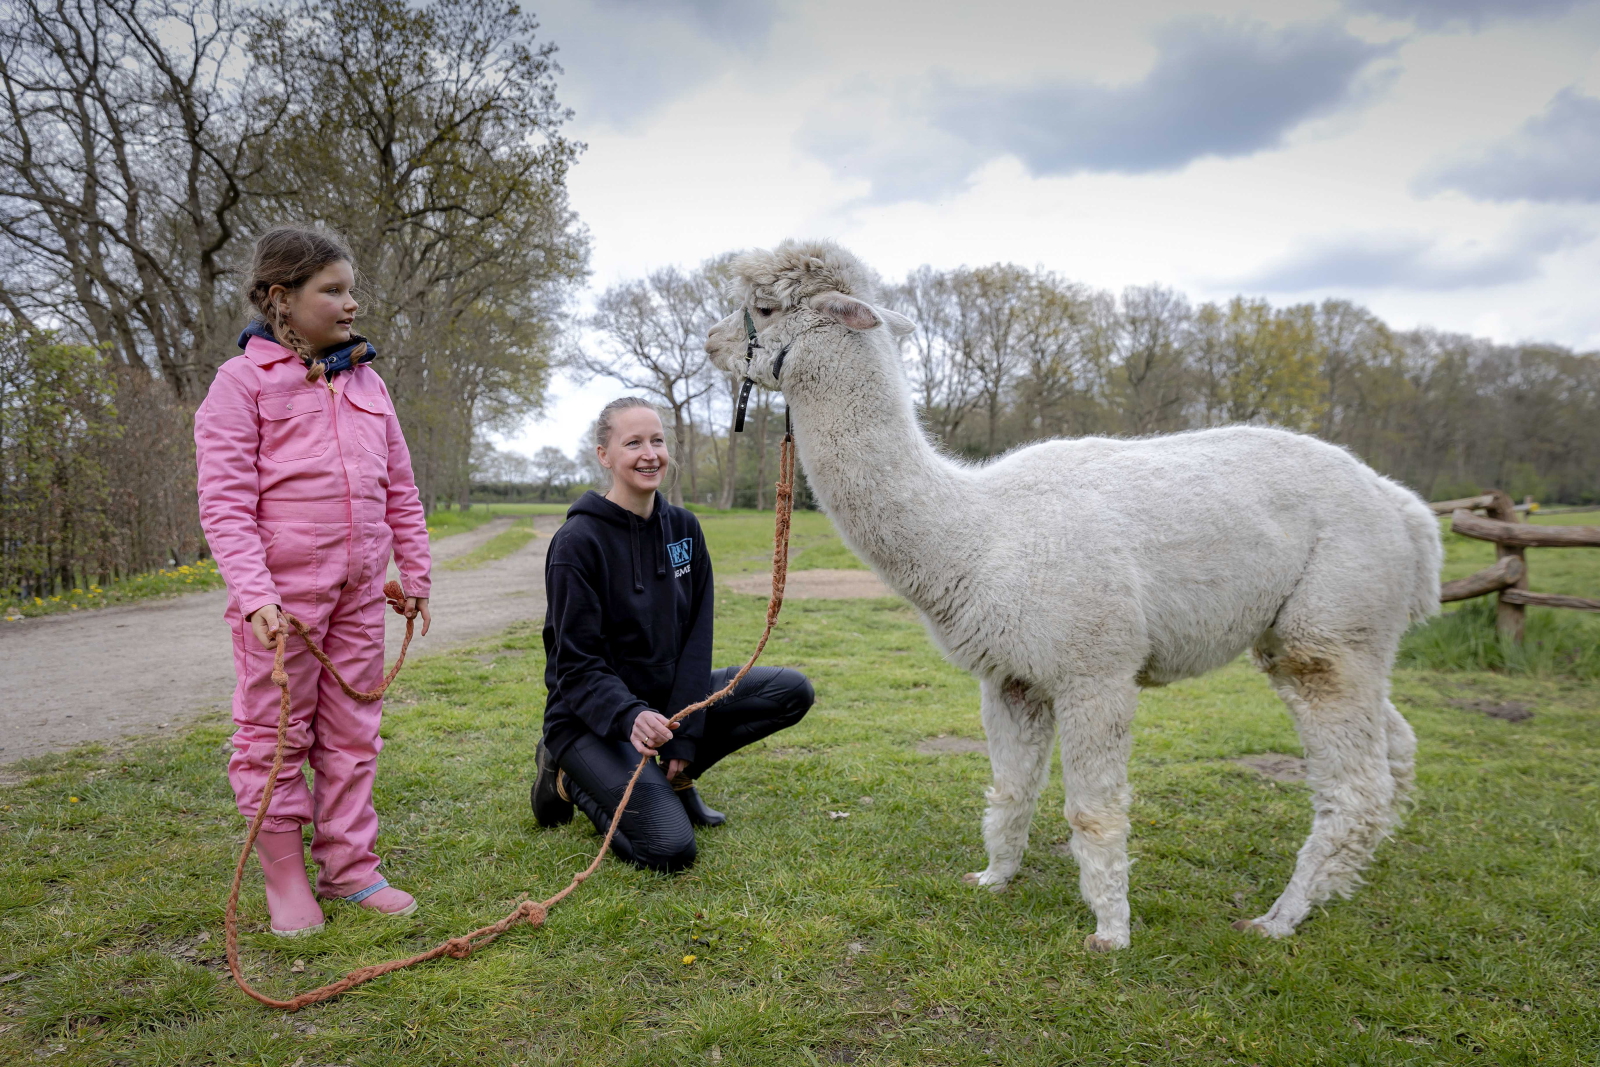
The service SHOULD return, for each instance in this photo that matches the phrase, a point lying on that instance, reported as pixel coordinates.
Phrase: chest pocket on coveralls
(294, 424)
(371, 420)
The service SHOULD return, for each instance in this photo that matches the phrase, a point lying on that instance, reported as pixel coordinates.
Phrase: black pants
(655, 832)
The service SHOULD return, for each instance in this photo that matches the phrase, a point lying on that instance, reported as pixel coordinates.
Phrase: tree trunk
(675, 490)
(730, 468)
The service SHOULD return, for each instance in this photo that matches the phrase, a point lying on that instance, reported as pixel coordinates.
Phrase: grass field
(499, 546)
(802, 938)
(446, 521)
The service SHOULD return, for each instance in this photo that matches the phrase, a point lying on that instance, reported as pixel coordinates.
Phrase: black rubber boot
(550, 808)
(695, 807)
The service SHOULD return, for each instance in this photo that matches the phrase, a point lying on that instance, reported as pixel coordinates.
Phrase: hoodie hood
(645, 536)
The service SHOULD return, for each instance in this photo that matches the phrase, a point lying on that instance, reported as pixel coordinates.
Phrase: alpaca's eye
(766, 311)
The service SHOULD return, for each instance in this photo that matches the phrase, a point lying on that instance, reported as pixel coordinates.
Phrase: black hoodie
(628, 624)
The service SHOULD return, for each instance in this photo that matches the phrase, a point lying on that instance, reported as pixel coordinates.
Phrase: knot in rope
(458, 948)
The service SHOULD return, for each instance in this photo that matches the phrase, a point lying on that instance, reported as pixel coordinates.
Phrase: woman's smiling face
(636, 455)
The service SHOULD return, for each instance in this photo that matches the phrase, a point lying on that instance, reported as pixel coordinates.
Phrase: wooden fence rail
(1508, 577)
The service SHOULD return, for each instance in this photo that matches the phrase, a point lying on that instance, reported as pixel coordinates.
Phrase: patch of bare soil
(947, 746)
(1507, 711)
(1275, 765)
(815, 585)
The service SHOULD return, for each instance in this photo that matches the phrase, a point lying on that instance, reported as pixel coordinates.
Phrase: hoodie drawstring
(633, 540)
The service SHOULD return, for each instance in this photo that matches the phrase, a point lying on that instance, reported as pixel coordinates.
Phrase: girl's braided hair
(289, 256)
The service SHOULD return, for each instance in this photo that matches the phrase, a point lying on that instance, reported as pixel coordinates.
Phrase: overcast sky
(1435, 160)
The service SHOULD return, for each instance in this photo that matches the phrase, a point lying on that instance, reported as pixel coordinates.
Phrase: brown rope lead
(532, 912)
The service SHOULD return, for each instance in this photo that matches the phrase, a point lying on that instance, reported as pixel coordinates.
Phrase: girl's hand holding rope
(267, 620)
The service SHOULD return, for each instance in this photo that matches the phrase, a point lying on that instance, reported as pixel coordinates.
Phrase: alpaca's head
(795, 293)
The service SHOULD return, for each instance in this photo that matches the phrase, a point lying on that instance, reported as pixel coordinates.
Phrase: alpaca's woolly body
(1067, 574)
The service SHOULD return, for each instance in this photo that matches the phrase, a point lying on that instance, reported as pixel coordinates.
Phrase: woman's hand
(676, 767)
(651, 730)
(418, 605)
(264, 621)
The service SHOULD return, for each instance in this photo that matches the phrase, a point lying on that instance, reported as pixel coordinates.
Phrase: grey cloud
(741, 21)
(1412, 261)
(874, 132)
(626, 59)
(1217, 88)
(1470, 14)
(1555, 156)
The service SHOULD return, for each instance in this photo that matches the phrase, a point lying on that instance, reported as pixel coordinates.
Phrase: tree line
(144, 144)
(1004, 355)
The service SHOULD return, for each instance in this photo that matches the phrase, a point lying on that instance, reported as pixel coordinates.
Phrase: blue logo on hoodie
(680, 551)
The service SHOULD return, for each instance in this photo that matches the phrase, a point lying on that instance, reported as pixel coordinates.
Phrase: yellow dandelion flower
(688, 959)
(72, 800)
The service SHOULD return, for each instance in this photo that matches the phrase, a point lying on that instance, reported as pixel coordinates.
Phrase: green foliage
(830, 940)
(1556, 643)
(168, 581)
(55, 408)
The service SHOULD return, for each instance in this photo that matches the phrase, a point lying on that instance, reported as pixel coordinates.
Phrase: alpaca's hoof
(993, 883)
(1098, 943)
(1264, 926)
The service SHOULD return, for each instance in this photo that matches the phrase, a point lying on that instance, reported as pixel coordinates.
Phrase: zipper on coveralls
(349, 494)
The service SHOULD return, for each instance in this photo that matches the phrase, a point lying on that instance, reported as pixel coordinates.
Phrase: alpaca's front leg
(1019, 755)
(1096, 740)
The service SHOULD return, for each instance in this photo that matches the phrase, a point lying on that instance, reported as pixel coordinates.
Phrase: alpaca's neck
(893, 497)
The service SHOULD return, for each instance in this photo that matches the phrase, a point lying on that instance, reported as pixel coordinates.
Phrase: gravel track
(130, 670)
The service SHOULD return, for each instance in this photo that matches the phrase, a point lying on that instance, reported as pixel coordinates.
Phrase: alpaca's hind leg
(1096, 739)
(1402, 751)
(1019, 730)
(1357, 749)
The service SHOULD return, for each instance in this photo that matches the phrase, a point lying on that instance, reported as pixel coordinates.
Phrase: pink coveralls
(303, 493)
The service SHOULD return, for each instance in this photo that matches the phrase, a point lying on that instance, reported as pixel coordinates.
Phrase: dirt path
(104, 675)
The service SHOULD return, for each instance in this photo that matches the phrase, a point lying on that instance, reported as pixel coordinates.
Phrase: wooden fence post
(1509, 618)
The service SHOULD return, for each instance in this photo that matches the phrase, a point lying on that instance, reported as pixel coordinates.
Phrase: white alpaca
(1068, 574)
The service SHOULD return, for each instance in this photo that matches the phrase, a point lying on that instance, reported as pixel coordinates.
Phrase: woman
(627, 640)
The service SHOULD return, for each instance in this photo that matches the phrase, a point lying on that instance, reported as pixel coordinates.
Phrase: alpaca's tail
(1422, 531)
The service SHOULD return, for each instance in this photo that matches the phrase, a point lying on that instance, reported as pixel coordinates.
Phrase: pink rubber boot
(293, 907)
(385, 899)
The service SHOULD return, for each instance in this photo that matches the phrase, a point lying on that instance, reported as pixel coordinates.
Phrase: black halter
(750, 346)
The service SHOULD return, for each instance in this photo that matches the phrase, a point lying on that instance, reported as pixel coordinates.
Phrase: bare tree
(127, 168)
(1152, 326)
(942, 372)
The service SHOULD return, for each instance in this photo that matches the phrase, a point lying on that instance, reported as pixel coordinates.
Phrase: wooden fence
(1508, 577)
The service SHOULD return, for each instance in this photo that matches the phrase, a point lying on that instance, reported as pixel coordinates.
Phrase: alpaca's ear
(898, 324)
(846, 310)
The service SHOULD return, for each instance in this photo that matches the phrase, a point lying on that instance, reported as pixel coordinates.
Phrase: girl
(627, 640)
(305, 487)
